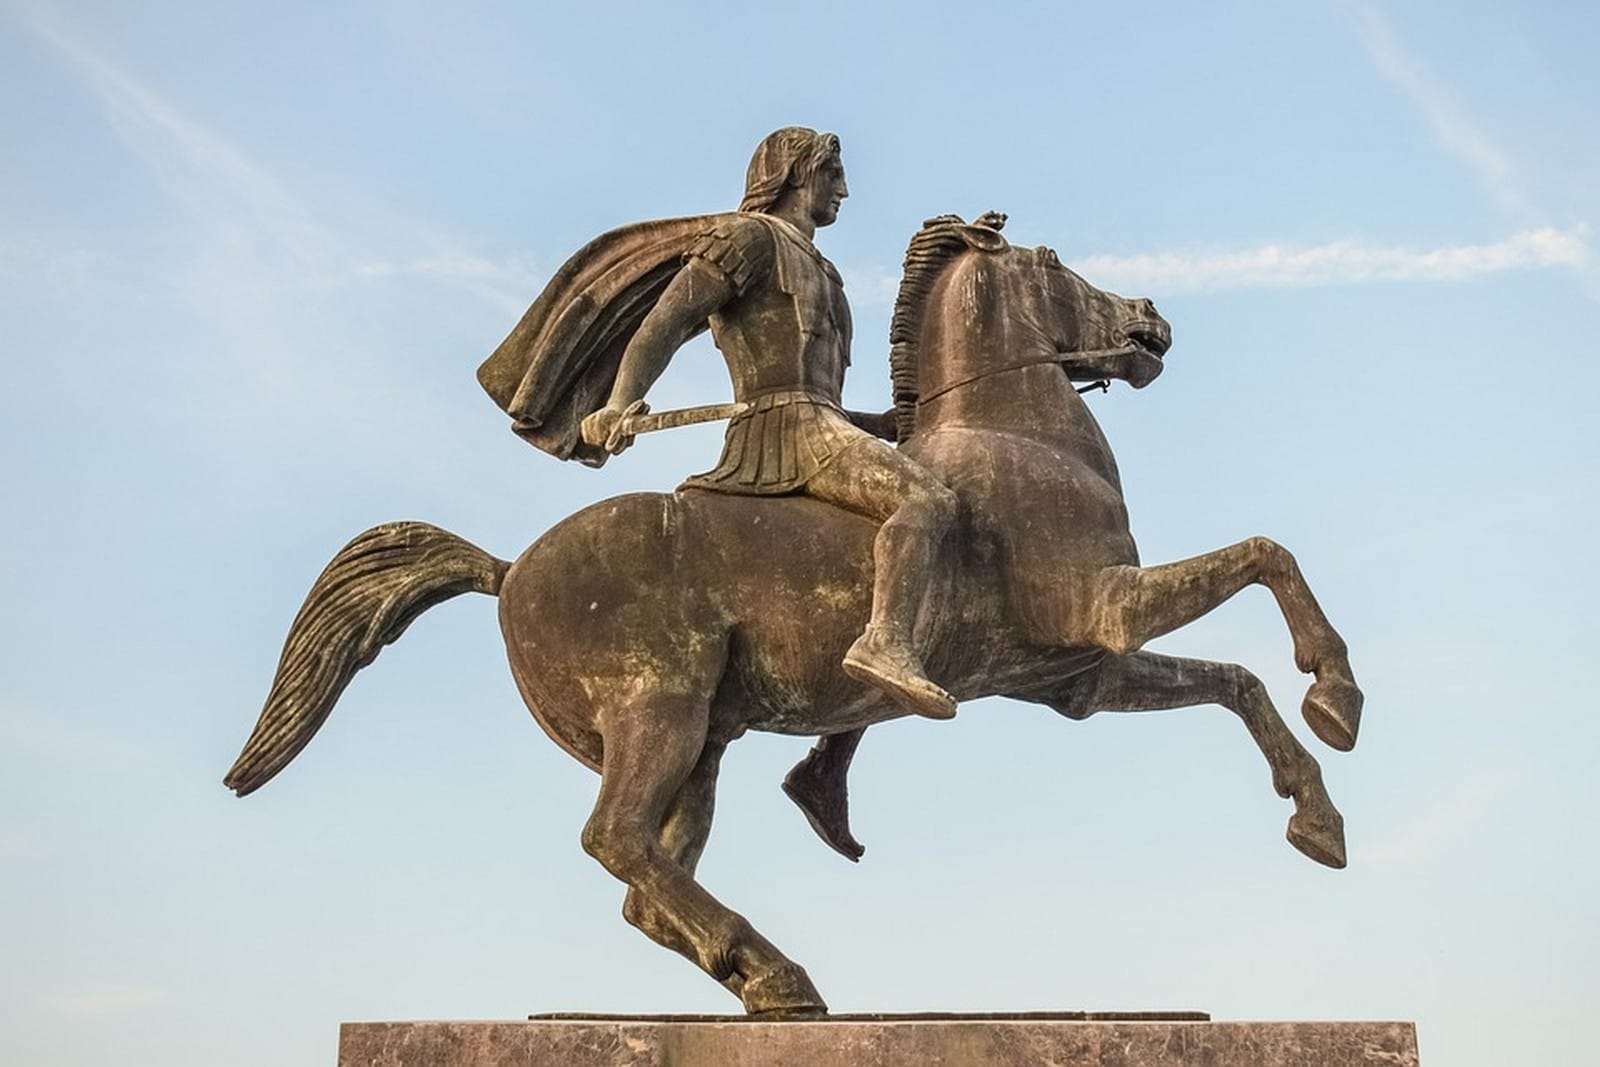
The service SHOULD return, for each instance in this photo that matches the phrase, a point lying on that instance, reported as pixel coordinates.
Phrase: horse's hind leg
(684, 832)
(1132, 605)
(652, 750)
(1146, 681)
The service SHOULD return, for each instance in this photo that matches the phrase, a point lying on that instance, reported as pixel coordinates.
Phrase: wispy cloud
(260, 271)
(508, 282)
(253, 233)
(1345, 262)
(1455, 130)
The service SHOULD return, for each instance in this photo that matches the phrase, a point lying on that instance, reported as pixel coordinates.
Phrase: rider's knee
(937, 504)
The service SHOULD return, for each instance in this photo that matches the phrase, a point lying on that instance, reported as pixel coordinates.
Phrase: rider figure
(778, 313)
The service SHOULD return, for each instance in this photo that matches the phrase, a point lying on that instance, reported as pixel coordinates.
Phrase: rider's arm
(886, 425)
(698, 290)
(695, 292)
(734, 255)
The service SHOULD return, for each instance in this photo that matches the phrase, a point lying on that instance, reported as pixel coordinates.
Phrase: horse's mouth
(1152, 337)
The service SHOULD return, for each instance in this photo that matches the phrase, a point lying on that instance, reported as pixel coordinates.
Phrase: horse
(648, 631)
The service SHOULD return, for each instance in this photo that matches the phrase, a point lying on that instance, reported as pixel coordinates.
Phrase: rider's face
(826, 190)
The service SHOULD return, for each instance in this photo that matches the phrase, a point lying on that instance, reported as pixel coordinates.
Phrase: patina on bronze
(649, 631)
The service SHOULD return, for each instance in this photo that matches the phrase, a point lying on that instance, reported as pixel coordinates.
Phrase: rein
(1103, 384)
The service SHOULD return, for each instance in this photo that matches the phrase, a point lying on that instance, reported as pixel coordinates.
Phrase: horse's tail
(364, 599)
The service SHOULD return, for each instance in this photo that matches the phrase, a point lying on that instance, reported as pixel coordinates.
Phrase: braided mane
(932, 248)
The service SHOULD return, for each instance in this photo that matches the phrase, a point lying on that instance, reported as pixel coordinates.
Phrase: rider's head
(796, 162)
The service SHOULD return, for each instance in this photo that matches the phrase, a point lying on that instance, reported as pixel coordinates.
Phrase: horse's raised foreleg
(654, 756)
(1146, 681)
(1132, 605)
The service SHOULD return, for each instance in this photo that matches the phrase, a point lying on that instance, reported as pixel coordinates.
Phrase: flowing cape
(558, 364)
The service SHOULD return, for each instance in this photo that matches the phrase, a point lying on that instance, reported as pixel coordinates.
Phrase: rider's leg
(916, 509)
(817, 785)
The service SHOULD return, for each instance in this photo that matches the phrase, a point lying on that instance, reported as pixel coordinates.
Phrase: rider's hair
(787, 157)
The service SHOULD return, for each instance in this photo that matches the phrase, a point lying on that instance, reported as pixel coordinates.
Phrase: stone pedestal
(1079, 1040)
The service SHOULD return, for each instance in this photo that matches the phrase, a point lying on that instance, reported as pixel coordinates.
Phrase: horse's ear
(983, 237)
(984, 233)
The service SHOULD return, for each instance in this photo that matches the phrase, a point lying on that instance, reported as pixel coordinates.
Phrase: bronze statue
(648, 631)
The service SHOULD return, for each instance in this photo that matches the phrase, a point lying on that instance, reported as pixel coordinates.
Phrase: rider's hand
(602, 428)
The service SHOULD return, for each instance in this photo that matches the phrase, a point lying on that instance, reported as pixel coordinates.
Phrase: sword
(638, 419)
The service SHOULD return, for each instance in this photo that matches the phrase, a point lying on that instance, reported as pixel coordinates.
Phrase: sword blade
(669, 420)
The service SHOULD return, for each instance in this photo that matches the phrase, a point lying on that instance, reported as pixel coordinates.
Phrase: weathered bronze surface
(817, 580)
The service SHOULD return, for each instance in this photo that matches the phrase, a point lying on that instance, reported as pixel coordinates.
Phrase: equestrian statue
(834, 569)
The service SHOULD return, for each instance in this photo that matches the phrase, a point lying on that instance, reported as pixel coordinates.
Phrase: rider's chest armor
(788, 327)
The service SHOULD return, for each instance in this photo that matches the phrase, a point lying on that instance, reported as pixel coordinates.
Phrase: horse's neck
(1031, 397)
(985, 368)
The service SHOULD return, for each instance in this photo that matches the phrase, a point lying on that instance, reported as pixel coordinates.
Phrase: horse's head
(1099, 334)
(972, 305)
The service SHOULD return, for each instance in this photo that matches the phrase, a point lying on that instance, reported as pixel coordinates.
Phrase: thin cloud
(260, 270)
(254, 233)
(508, 283)
(1455, 130)
(1345, 262)
(198, 169)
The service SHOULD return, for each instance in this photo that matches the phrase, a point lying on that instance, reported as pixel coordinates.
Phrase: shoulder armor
(740, 246)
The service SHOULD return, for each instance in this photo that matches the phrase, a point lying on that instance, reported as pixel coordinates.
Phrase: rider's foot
(818, 787)
(879, 660)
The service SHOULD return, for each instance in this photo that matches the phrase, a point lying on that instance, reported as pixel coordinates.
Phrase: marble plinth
(1078, 1040)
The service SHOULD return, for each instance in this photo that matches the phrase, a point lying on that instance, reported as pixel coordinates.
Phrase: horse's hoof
(1321, 837)
(1332, 709)
(783, 991)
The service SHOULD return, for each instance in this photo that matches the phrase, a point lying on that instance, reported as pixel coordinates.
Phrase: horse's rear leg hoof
(1332, 709)
(1320, 836)
(785, 990)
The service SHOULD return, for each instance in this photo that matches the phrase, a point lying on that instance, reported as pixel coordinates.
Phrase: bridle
(1103, 384)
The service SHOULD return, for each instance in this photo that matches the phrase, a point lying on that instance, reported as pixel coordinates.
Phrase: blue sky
(250, 258)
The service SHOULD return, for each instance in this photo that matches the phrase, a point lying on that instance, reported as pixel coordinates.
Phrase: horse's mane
(931, 250)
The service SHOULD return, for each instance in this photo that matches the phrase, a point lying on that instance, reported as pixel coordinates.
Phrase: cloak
(558, 364)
